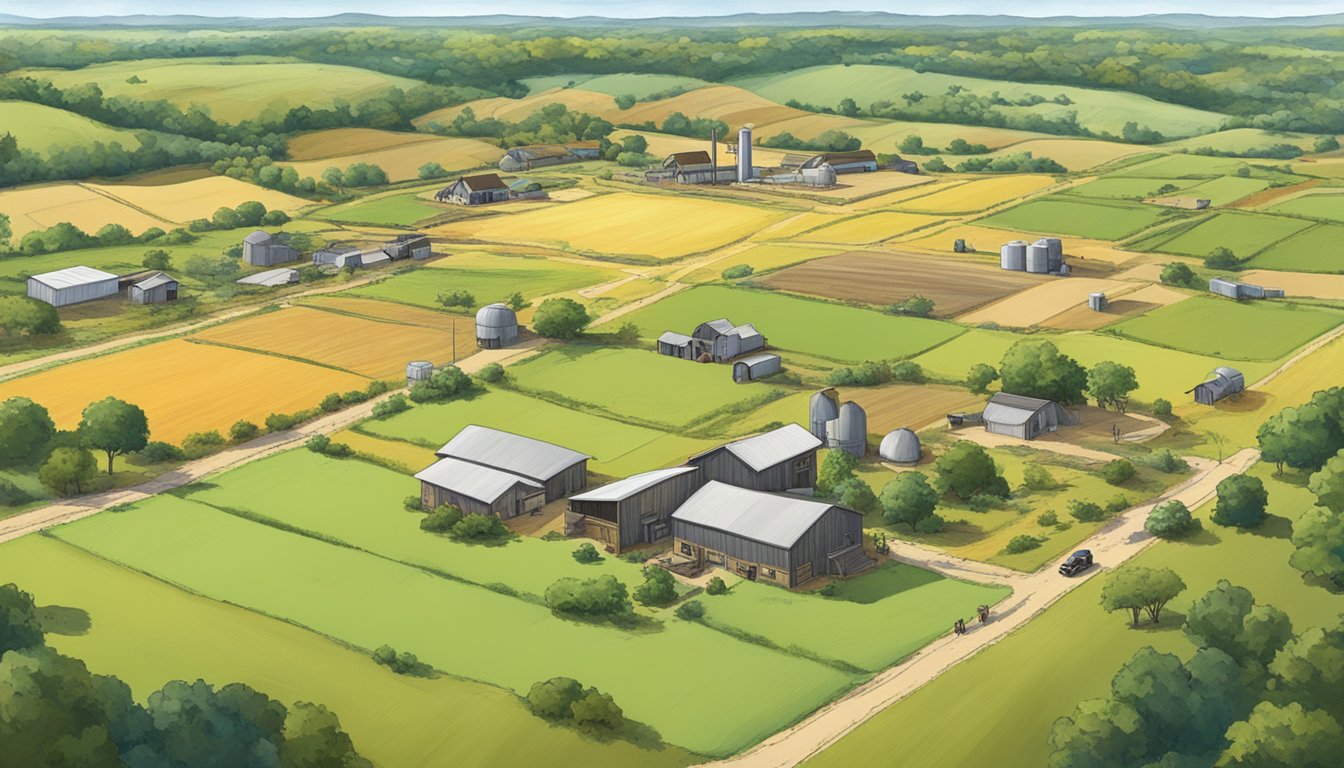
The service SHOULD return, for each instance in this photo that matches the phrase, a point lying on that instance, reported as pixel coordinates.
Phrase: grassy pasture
(147, 633)
(869, 228)
(41, 128)
(1063, 215)
(402, 162)
(1261, 330)
(1125, 188)
(1224, 190)
(402, 210)
(392, 312)
(367, 601)
(515, 110)
(1180, 166)
(487, 277)
(637, 85)
(1245, 233)
(1318, 249)
(830, 331)
(1329, 206)
(198, 198)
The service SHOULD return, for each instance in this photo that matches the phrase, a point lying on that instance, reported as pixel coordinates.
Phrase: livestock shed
(900, 446)
(1224, 383)
(154, 289)
(271, 278)
(778, 460)
(778, 538)
(558, 470)
(1234, 289)
(756, 367)
(636, 510)
(1024, 417)
(719, 339)
(496, 326)
(475, 190)
(410, 246)
(695, 167)
(475, 489)
(535, 156)
(72, 285)
(338, 255)
(261, 249)
(857, 161)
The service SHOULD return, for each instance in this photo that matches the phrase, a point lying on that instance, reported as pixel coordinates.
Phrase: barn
(719, 339)
(535, 156)
(475, 190)
(72, 285)
(857, 161)
(777, 538)
(410, 246)
(1225, 383)
(559, 471)
(756, 367)
(1024, 417)
(154, 289)
(475, 489)
(260, 249)
(778, 460)
(636, 510)
(695, 167)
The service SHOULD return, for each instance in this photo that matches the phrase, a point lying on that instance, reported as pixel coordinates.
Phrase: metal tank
(1096, 302)
(849, 432)
(1055, 248)
(419, 370)
(1038, 258)
(1013, 255)
(496, 326)
(900, 447)
(745, 172)
(823, 409)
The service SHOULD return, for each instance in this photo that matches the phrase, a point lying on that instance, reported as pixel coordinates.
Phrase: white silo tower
(849, 432)
(823, 409)
(745, 172)
(1013, 255)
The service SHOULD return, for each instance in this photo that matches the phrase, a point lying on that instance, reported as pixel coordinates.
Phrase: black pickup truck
(1077, 563)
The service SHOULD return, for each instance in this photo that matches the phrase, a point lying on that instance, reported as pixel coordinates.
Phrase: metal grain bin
(849, 432)
(1013, 256)
(419, 370)
(1097, 302)
(1038, 258)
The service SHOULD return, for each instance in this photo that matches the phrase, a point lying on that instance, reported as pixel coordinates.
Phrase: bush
(413, 504)
(401, 663)
(391, 406)
(279, 422)
(1022, 543)
(864, 375)
(738, 271)
(457, 300)
(1162, 408)
(375, 388)
(1118, 503)
(855, 494)
(330, 403)
(691, 610)
(491, 373)
(1166, 461)
(1047, 519)
(967, 469)
(915, 306)
(354, 397)
(445, 383)
(1179, 274)
(980, 377)
(1171, 519)
(597, 711)
(601, 596)
(441, 519)
(983, 502)
(1222, 258)
(157, 452)
(242, 431)
(931, 523)
(552, 699)
(475, 527)
(156, 259)
(68, 471)
(1117, 472)
(12, 496)
(1037, 478)
(907, 371)
(659, 587)
(1241, 502)
(560, 318)
(716, 586)
(200, 444)
(586, 553)
(324, 445)
(1086, 511)
(837, 467)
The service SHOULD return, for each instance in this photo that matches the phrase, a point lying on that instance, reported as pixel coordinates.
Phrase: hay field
(183, 387)
(392, 312)
(1047, 299)
(1330, 168)
(515, 110)
(1298, 284)
(1318, 249)
(39, 207)
(41, 129)
(869, 228)
(795, 225)
(234, 88)
(404, 209)
(1122, 305)
(908, 405)
(979, 194)
(370, 348)
(761, 258)
(657, 226)
(865, 189)
(1074, 154)
(1063, 215)
(487, 277)
(403, 162)
(1265, 330)
(882, 279)
(1224, 190)
(338, 142)
(199, 198)
(1239, 140)
(733, 106)
(808, 125)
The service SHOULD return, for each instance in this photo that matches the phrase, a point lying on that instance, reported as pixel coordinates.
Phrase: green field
(233, 88)
(1245, 233)
(639, 86)
(1318, 249)
(1062, 215)
(1322, 206)
(470, 631)
(1097, 110)
(1181, 166)
(977, 708)
(41, 128)
(395, 210)
(825, 330)
(635, 383)
(147, 633)
(1241, 140)
(1224, 190)
(1257, 330)
(488, 277)
(1125, 188)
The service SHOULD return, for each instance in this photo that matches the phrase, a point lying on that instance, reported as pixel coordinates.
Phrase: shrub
(1222, 258)
(375, 388)
(980, 377)
(659, 587)
(492, 373)
(1177, 273)
(1241, 502)
(391, 406)
(1047, 519)
(457, 300)
(907, 371)
(401, 663)
(68, 471)
(1166, 461)
(324, 445)
(1117, 472)
(1117, 503)
(863, 375)
(915, 306)
(855, 494)
(12, 496)
(354, 397)
(931, 523)
(441, 519)
(279, 422)
(1037, 478)
(445, 383)
(586, 553)
(716, 586)
(597, 711)
(476, 527)
(242, 431)
(560, 318)
(554, 536)
(413, 504)
(156, 259)
(199, 444)
(552, 699)
(1162, 408)
(1086, 511)
(157, 452)
(983, 502)
(737, 271)
(837, 467)
(1022, 543)
(601, 596)
(330, 403)
(691, 610)
(627, 334)
(1171, 519)
(967, 469)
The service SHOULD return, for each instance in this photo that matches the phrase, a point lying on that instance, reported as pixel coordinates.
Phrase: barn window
(686, 549)
(770, 574)
(803, 464)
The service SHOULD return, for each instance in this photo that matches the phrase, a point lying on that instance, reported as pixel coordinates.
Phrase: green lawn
(1318, 249)
(393, 210)
(1322, 206)
(1004, 700)
(487, 277)
(1251, 330)
(636, 383)
(470, 631)
(1063, 215)
(1245, 233)
(1226, 189)
(1178, 166)
(618, 449)
(147, 633)
(825, 330)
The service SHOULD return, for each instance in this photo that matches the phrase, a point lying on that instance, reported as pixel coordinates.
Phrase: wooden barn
(778, 538)
(1024, 417)
(558, 470)
(778, 460)
(636, 510)
(475, 190)
(475, 489)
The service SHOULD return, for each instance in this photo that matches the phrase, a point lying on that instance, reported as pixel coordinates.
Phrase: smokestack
(713, 155)
(744, 169)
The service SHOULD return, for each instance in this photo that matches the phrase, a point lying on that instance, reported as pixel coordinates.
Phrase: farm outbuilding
(558, 470)
(154, 289)
(1024, 417)
(756, 367)
(475, 489)
(496, 326)
(261, 249)
(475, 190)
(409, 246)
(778, 460)
(636, 510)
(1234, 289)
(778, 538)
(526, 189)
(857, 161)
(73, 285)
(695, 167)
(418, 371)
(271, 278)
(1224, 383)
(900, 446)
(719, 339)
(1097, 302)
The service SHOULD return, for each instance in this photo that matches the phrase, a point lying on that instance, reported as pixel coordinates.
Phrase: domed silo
(823, 409)
(849, 432)
(1038, 258)
(1013, 255)
(496, 326)
(900, 447)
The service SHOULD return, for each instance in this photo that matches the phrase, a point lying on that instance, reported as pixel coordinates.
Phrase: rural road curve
(1120, 540)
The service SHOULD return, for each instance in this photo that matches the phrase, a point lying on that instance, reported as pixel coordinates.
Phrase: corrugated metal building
(475, 190)
(719, 339)
(559, 470)
(1234, 289)
(857, 161)
(271, 278)
(411, 246)
(1225, 383)
(779, 460)
(1024, 417)
(475, 489)
(260, 249)
(636, 510)
(756, 367)
(785, 540)
(155, 289)
(72, 285)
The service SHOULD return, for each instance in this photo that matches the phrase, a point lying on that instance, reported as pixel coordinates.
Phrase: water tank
(900, 447)
(1055, 248)
(420, 370)
(496, 326)
(824, 408)
(849, 432)
(745, 172)
(1013, 255)
(1038, 258)
(1096, 301)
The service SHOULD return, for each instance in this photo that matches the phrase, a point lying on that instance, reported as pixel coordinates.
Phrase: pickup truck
(1077, 563)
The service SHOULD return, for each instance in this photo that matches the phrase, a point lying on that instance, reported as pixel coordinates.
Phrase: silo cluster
(1045, 256)
(840, 426)
(1013, 255)
(1038, 258)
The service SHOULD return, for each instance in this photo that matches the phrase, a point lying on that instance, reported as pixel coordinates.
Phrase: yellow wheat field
(39, 207)
(869, 228)
(978, 195)
(1076, 154)
(732, 105)
(364, 346)
(514, 110)
(761, 258)
(660, 226)
(390, 311)
(1036, 305)
(183, 387)
(1298, 283)
(808, 125)
(199, 198)
(403, 162)
(662, 145)
(799, 223)
(339, 142)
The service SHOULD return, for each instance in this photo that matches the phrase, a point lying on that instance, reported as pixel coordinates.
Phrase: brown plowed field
(909, 405)
(885, 278)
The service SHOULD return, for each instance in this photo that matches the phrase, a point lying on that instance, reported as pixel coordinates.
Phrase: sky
(651, 8)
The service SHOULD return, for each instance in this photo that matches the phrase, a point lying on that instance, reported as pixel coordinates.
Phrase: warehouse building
(1225, 383)
(271, 278)
(781, 539)
(156, 288)
(717, 340)
(857, 161)
(559, 471)
(1234, 289)
(756, 367)
(72, 285)
(633, 511)
(475, 489)
(1024, 417)
(526, 189)
(261, 249)
(475, 190)
(496, 326)
(779, 460)
(543, 155)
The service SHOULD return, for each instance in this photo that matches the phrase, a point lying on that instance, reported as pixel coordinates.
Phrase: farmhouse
(785, 540)
(559, 471)
(719, 339)
(778, 460)
(756, 367)
(475, 489)
(1234, 289)
(154, 289)
(1225, 383)
(72, 285)
(636, 510)
(260, 249)
(271, 278)
(1024, 417)
(475, 190)
(496, 326)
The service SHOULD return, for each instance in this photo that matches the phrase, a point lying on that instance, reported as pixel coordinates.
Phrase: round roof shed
(900, 447)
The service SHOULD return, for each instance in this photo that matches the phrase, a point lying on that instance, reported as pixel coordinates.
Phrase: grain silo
(849, 432)
(1013, 255)
(823, 409)
(745, 172)
(496, 326)
(900, 447)
(418, 370)
(1054, 247)
(1097, 302)
(1038, 258)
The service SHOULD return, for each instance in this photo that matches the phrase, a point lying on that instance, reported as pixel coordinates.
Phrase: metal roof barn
(476, 489)
(624, 489)
(559, 469)
(72, 285)
(1024, 417)
(773, 519)
(271, 278)
(1225, 383)
(756, 367)
(766, 450)
(633, 511)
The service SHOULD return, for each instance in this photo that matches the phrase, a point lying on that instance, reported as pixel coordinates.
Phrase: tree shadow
(1201, 538)
(63, 620)
(633, 623)
(1274, 527)
(1171, 621)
